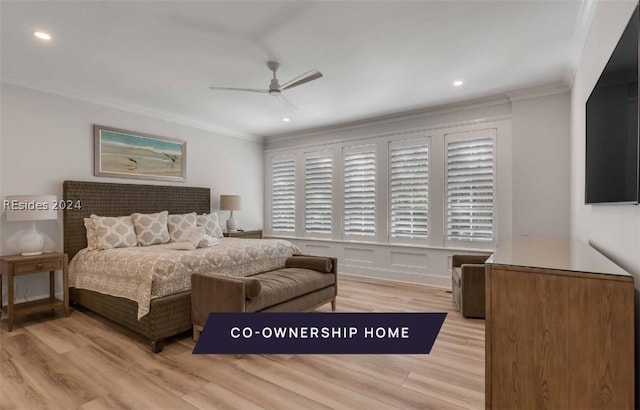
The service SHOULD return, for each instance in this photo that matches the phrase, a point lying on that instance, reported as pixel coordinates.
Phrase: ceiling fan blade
(301, 79)
(287, 103)
(253, 90)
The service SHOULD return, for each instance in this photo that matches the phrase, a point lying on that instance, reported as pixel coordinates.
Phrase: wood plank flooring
(54, 362)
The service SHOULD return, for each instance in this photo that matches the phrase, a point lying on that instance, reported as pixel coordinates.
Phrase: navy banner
(313, 333)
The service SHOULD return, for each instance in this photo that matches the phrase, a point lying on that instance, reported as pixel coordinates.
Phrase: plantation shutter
(283, 195)
(470, 189)
(409, 182)
(318, 194)
(360, 193)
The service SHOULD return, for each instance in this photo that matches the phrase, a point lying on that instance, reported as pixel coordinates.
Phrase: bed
(167, 312)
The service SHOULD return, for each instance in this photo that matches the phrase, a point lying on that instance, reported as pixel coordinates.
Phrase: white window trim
(269, 219)
(468, 136)
(437, 180)
(393, 144)
(319, 154)
(355, 149)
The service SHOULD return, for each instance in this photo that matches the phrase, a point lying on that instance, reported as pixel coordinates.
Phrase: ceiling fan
(275, 89)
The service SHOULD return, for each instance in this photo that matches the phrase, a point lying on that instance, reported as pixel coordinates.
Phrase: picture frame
(128, 154)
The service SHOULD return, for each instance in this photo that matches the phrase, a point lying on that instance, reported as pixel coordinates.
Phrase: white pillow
(192, 235)
(114, 232)
(211, 224)
(178, 224)
(151, 229)
(208, 241)
(196, 238)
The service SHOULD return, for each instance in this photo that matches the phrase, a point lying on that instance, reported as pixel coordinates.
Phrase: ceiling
(378, 57)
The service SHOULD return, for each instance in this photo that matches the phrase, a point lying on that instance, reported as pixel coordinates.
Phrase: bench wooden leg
(333, 304)
(196, 332)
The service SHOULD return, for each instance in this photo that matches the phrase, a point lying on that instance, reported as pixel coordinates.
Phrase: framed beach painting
(127, 154)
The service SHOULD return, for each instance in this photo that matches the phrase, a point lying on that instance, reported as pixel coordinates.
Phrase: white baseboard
(394, 275)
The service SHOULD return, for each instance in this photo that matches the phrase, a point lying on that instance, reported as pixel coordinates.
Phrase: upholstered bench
(304, 284)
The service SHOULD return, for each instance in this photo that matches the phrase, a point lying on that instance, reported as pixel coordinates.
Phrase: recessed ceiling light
(286, 119)
(458, 83)
(42, 35)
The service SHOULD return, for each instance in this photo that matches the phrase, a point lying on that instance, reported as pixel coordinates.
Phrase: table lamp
(230, 203)
(30, 208)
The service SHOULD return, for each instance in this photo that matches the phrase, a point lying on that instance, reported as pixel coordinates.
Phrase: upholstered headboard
(108, 199)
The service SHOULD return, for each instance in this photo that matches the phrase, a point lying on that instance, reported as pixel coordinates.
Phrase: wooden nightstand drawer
(38, 266)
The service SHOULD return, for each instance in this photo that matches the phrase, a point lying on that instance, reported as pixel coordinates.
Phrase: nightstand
(16, 265)
(255, 234)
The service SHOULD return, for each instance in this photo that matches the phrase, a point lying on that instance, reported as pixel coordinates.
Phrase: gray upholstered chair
(467, 284)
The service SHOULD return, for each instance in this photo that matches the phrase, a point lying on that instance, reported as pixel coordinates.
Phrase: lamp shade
(30, 207)
(229, 202)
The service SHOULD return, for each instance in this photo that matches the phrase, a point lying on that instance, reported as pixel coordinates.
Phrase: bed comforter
(142, 273)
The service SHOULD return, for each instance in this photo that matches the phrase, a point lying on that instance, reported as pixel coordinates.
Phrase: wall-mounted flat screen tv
(613, 141)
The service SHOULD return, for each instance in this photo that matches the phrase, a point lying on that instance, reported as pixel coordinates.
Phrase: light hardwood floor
(50, 361)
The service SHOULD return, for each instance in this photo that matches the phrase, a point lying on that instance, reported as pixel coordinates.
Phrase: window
(318, 194)
(283, 195)
(425, 188)
(360, 191)
(470, 189)
(409, 189)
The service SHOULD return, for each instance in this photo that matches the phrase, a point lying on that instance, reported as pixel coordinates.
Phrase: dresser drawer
(40, 266)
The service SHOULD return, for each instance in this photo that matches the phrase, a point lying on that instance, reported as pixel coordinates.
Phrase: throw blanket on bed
(140, 273)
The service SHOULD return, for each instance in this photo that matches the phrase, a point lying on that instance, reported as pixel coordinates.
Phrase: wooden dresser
(559, 327)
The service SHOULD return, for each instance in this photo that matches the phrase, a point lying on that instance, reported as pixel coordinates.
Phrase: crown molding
(536, 92)
(410, 132)
(579, 41)
(390, 118)
(133, 108)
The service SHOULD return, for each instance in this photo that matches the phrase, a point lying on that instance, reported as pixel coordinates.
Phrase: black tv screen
(612, 145)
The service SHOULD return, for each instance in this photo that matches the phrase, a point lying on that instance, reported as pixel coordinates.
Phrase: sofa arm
(215, 293)
(459, 260)
(472, 283)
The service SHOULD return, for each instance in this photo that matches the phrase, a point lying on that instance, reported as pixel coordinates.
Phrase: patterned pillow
(151, 229)
(92, 237)
(178, 224)
(114, 232)
(210, 224)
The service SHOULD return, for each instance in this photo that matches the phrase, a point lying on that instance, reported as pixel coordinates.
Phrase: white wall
(532, 187)
(541, 186)
(47, 139)
(612, 229)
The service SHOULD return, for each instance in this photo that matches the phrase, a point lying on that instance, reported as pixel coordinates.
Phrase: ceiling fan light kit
(275, 89)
